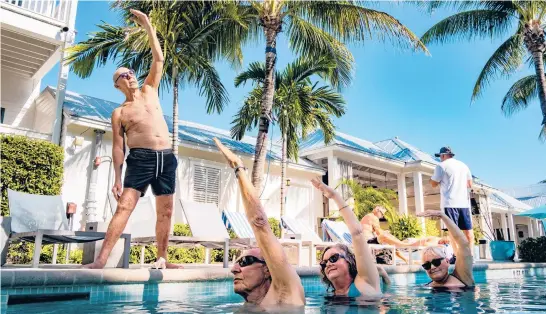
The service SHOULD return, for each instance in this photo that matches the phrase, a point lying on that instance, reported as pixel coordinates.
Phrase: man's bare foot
(94, 265)
(174, 266)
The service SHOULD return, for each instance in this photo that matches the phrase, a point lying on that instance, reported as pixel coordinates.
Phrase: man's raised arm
(156, 71)
(283, 274)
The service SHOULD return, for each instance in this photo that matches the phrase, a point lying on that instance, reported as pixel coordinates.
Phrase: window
(2, 113)
(206, 184)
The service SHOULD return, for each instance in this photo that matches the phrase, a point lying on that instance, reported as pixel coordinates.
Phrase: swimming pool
(509, 291)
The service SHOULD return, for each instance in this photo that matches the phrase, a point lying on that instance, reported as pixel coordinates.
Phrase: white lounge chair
(142, 222)
(339, 232)
(41, 219)
(239, 224)
(309, 237)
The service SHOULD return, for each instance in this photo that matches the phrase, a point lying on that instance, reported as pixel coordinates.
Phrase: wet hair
(349, 257)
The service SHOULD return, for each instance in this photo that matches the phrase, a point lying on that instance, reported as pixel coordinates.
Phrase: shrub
(533, 250)
(275, 226)
(431, 227)
(366, 198)
(22, 252)
(478, 234)
(30, 166)
(404, 226)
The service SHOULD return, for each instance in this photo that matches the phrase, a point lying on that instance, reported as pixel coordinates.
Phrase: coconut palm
(315, 29)
(300, 105)
(520, 22)
(192, 34)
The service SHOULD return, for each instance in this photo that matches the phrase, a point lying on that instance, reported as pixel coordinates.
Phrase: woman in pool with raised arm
(341, 269)
(436, 263)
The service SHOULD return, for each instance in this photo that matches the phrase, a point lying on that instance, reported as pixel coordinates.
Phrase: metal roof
(315, 140)
(405, 151)
(96, 109)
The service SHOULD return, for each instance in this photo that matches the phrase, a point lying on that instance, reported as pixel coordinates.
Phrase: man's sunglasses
(332, 259)
(125, 75)
(436, 262)
(249, 260)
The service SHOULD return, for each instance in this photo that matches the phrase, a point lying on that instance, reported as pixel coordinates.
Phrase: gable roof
(100, 110)
(405, 151)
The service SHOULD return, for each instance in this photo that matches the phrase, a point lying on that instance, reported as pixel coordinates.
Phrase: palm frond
(247, 117)
(520, 95)
(469, 25)
(207, 79)
(255, 72)
(505, 60)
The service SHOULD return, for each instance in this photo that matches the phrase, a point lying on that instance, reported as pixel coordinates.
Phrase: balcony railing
(8, 129)
(55, 9)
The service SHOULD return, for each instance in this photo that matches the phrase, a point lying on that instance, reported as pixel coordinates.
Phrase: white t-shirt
(453, 176)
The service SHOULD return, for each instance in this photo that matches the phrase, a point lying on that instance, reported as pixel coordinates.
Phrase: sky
(424, 100)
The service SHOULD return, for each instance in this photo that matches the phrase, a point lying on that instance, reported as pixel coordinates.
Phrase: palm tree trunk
(175, 112)
(271, 29)
(283, 176)
(541, 83)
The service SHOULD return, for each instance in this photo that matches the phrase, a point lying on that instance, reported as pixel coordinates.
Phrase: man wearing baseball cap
(454, 179)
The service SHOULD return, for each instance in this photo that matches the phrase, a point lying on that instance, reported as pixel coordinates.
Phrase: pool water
(508, 291)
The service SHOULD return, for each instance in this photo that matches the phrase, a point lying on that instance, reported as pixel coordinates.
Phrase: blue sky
(424, 100)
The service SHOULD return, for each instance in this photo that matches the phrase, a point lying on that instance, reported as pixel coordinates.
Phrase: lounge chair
(142, 227)
(41, 219)
(338, 231)
(239, 224)
(308, 237)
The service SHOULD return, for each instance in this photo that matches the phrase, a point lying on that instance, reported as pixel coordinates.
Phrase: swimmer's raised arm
(367, 280)
(284, 276)
(464, 261)
(156, 70)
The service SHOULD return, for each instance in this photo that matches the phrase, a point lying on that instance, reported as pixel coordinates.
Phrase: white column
(419, 197)
(504, 225)
(513, 234)
(540, 224)
(530, 227)
(334, 176)
(67, 35)
(537, 228)
(402, 195)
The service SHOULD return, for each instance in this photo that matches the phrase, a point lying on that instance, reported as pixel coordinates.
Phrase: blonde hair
(434, 250)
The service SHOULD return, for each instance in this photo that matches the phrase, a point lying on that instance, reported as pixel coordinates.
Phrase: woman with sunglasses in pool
(343, 271)
(436, 263)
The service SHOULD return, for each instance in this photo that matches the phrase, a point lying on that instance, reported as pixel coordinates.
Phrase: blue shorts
(461, 216)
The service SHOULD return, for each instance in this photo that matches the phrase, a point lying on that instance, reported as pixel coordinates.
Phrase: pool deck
(13, 276)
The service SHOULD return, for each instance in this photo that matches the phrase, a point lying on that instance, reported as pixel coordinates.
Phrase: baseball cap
(446, 150)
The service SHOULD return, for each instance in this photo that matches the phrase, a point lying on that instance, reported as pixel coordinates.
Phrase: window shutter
(206, 184)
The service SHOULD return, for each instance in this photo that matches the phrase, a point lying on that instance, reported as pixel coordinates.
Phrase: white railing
(55, 9)
(8, 129)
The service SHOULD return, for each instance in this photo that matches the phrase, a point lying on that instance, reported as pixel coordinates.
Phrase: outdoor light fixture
(78, 141)
(287, 182)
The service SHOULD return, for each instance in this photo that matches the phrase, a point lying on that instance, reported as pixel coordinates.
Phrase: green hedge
(29, 165)
(21, 253)
(533, 250)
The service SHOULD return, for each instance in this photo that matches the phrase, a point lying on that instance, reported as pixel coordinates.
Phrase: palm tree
(521, 21)
(299, 105)
(315, 29)
(192, 34)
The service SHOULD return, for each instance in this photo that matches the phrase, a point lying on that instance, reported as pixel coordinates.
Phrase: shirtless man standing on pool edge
(140, 121)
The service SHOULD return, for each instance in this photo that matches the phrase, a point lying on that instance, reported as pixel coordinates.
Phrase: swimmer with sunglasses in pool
(347, 273)
(262, 276)
(436, 263)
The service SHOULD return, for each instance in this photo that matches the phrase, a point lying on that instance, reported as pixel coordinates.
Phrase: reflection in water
(519, 294)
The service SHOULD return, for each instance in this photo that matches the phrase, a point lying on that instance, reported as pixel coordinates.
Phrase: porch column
(91, 199)
(402, 195)
(531, 228)
(513, 234)
(67, 35)
(334, 176)
(504, 225)
(486, 222)
(419, 197)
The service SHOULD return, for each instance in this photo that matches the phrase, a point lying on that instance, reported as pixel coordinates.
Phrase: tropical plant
(299, 105)
(366, 198)
(520, 21)
(316, 29)
(404, 226)
(431, 228)
(533, 250)
(192, 34)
